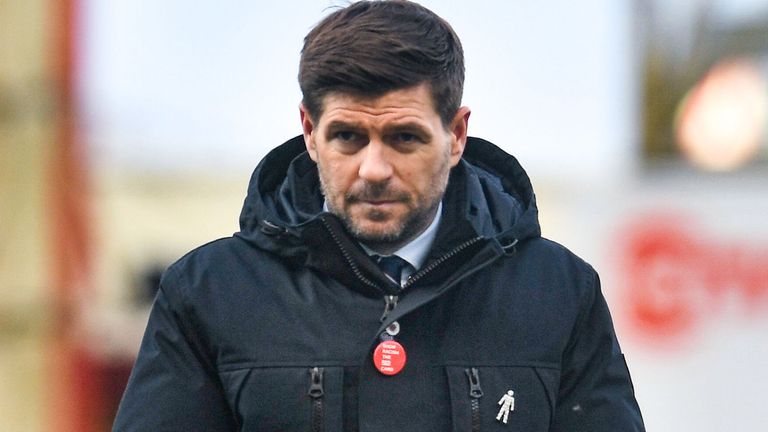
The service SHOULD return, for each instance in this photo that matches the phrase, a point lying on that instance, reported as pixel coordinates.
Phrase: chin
(378, 233)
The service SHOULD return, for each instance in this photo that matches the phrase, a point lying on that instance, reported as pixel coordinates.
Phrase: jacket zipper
(475, 393)
(436, 263)
(390, 301)
(350, 261)
(316, 392)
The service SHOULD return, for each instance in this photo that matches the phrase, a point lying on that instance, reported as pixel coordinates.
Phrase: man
(304, 320)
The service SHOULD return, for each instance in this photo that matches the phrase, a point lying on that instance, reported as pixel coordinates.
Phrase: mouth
(379, 203)
(377, 200)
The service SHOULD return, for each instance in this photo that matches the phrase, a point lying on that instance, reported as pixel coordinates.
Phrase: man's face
(384, 162)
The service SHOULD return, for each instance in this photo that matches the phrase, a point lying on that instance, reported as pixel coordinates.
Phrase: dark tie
(392, 266)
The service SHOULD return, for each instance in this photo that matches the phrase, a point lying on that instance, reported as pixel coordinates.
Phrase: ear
(308, 126)
(458, 133)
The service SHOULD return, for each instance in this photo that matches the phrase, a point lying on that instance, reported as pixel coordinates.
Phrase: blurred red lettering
(676, 279)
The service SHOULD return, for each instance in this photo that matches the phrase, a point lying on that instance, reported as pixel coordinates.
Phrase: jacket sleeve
(596, 392)
(173, 387)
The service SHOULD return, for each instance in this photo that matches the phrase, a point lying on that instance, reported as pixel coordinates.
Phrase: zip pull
(316, 392)
(475, 391)
(390, 302)
(316, 383)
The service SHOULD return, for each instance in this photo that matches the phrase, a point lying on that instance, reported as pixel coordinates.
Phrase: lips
(377, 200)
(379, 205)
(380, 202)
(377, 195)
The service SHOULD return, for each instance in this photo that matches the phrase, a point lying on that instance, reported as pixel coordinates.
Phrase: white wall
(212, 85)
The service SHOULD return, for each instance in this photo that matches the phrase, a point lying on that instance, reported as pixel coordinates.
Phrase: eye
(406, 140)
(406, 137)
(346, 136)
(347, 141)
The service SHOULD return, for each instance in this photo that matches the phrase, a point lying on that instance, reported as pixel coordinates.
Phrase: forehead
(412, 103)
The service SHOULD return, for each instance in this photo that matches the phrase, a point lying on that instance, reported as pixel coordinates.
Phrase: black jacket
(273, 329)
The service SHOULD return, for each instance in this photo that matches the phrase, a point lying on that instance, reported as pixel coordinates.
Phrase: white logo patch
(507, 403)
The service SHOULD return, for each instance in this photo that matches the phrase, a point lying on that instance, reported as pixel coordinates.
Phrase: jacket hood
(489, 195)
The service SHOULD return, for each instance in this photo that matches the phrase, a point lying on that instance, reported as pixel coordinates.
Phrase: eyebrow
(336, 125)
(408, 126)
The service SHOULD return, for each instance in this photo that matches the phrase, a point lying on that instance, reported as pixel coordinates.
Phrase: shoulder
(547, 254)
(224, 264)
(550, 266)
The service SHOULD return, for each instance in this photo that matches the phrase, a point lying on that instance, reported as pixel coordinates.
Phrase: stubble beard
(417, 218)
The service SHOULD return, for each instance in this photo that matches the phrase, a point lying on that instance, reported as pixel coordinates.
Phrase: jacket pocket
(286, 398)
(502, 398)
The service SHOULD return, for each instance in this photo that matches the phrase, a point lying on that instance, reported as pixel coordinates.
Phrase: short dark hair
(370, 48)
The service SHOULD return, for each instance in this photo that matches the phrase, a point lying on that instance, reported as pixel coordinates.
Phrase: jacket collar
(489, 197)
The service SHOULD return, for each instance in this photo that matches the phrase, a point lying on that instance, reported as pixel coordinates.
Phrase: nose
(375, 165)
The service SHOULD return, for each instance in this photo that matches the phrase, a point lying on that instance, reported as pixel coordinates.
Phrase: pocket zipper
(316, 392)
(475, 393)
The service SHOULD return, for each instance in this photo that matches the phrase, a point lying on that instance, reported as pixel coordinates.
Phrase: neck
(385, 248)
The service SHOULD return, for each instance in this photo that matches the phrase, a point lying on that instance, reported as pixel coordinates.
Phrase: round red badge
(389, 357)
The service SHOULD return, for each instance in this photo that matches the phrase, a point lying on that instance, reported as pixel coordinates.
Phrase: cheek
(424, 173)
(338, 175)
